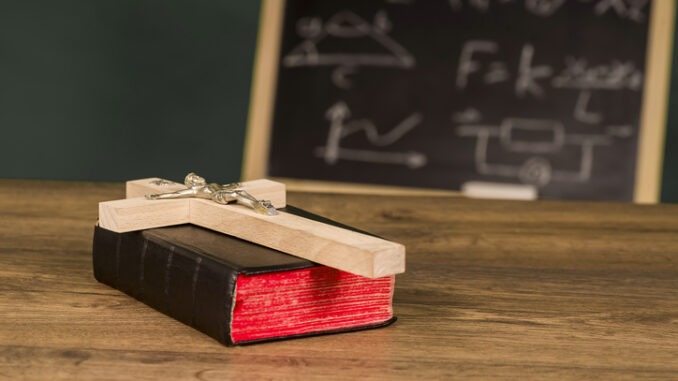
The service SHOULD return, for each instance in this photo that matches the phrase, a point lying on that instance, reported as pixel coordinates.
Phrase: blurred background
(116, 90)
(119, 89)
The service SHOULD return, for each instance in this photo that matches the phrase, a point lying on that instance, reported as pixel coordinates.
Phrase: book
(235, 291)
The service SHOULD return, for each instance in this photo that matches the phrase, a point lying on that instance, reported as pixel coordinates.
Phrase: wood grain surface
(493, 290)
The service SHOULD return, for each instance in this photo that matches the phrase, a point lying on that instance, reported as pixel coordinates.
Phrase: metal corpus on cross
(248, 211)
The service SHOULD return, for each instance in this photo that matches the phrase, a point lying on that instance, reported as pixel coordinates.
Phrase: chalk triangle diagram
(346, 25)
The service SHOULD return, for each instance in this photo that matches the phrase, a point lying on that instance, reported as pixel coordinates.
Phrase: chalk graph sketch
(517, 137)
(341, 127)
(347, 26)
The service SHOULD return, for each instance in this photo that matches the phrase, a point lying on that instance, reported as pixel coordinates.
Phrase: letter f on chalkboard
(467, 64)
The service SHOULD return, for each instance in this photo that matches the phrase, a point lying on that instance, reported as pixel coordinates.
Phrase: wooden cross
(329, 245)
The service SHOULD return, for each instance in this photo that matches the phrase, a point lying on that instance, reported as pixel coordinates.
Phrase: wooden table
(517, 290)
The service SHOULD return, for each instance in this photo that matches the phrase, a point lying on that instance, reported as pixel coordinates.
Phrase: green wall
(119, 89)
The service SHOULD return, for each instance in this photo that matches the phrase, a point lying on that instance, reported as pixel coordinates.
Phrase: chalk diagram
(346, 25)
(537, 142)
(517, 136)
(341, 127)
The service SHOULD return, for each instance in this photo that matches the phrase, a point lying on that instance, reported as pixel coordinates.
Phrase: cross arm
(329, 245)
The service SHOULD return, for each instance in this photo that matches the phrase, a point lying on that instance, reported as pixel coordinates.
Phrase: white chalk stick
(503, 191)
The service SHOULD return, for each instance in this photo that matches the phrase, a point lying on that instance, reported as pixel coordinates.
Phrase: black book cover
(190, 273)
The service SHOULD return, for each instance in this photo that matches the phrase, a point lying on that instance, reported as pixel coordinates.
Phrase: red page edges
(306, 301)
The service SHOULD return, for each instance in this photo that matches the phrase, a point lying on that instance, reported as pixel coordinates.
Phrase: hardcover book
(235, 291)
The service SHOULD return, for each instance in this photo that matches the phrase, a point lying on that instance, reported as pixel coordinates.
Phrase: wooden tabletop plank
(493, 289)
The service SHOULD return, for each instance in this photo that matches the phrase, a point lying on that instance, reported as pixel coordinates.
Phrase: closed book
(235, 291)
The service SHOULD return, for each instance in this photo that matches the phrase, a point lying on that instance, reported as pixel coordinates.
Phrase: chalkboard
(435, 94)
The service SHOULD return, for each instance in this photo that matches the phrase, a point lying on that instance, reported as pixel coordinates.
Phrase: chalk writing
(616, 75)
(544, 92)
(537, 168)
(478, 64)
(347, 25)
(630, 9)
(479, 59)
(581, 112)
(634, 10)
(469, 115)
(528, 75)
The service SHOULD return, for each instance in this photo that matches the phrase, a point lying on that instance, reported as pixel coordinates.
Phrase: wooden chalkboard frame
(652, 126)
(655, 103)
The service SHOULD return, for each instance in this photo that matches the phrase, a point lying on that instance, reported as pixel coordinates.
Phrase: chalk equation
(478, 66)
(341, 127)
(436, 93)
(481, 62)
(346, 25)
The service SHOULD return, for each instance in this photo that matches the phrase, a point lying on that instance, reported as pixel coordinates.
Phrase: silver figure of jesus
(197, 187)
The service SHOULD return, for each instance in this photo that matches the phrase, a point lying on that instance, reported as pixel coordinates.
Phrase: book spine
(182, 284)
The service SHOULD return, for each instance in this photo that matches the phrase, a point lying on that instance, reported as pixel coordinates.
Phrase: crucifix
(251, 211)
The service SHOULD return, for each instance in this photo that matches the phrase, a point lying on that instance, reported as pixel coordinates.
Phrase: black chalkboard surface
(435, 94)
